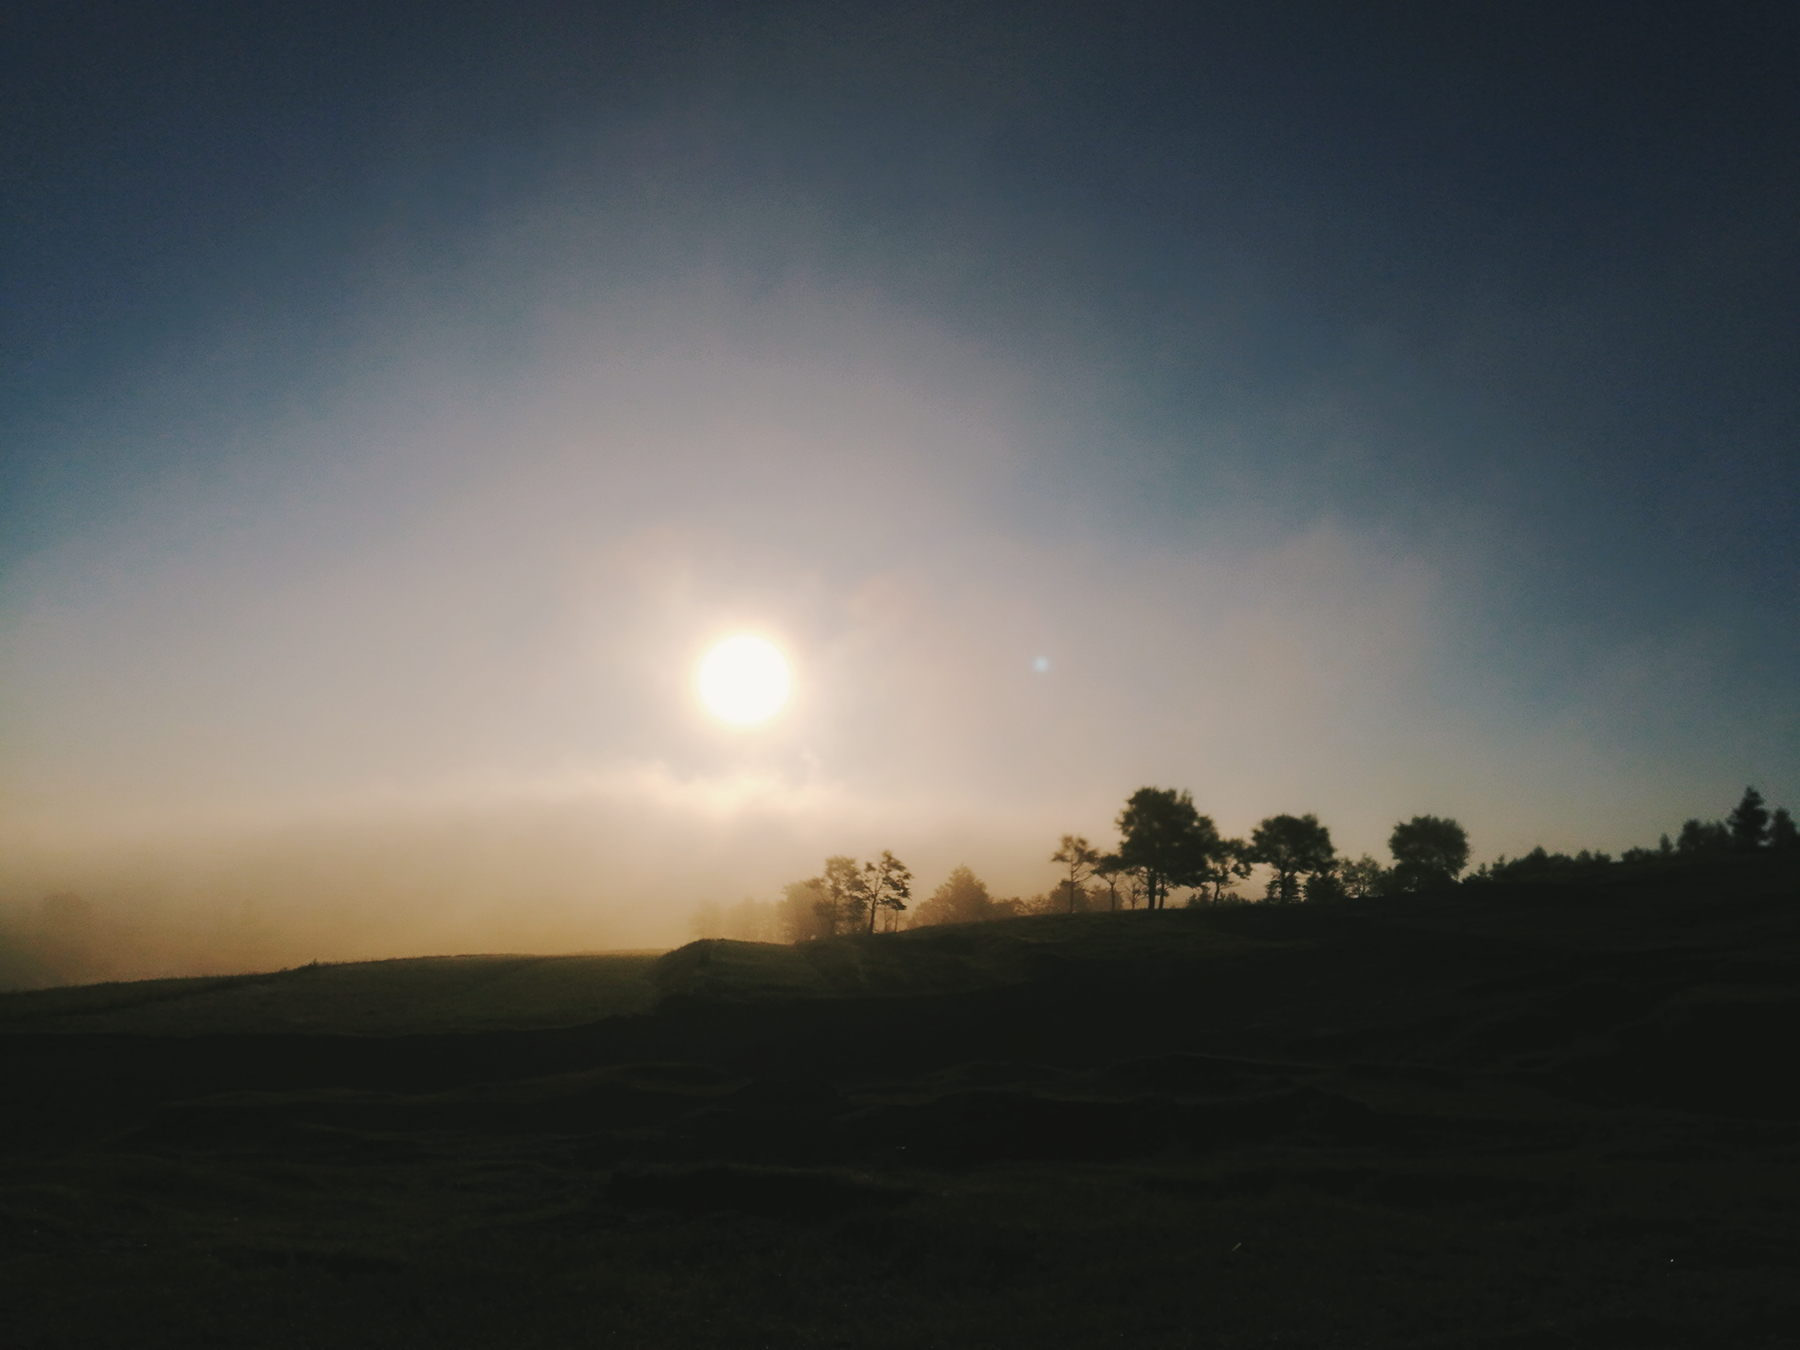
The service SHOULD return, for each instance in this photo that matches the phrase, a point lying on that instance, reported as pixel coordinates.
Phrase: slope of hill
(1531, 1116)
(368, 998)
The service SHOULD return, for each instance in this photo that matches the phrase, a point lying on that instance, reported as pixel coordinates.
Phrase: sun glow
(744, 680)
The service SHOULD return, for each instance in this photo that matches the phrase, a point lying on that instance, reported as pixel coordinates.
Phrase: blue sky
(1365, 414)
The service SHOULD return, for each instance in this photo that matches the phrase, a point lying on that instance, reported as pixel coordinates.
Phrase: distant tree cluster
(1539, 863)
(847, 897)
(964, 898)
(1166, 843)
(1749, 828)
(1167, 846)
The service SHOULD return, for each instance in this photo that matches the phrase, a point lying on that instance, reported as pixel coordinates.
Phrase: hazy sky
(1361, 410)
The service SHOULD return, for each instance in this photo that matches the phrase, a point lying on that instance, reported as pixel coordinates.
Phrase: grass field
(366, 998)
(1519, 1117)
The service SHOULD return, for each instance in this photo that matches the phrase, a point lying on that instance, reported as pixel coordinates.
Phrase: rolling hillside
(1530, 1116)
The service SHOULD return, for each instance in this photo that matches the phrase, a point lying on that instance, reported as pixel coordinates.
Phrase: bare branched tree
(1080, 858)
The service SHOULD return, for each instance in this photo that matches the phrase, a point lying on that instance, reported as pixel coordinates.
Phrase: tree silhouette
(963, 898)
(1428, 852)
(840, 895)
(1324, 885)
(1541, 863)
(1363, 877)
(1116, 872)
(1229, 862)
(1700, 838)
(1295, 847)
(1783, 837)
(802, 911)
(883, 884)
(1080, 858)
(1748, 822)
(1162, 835)
(845, 898)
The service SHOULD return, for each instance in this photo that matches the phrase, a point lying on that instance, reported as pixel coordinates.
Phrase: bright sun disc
(744, 680)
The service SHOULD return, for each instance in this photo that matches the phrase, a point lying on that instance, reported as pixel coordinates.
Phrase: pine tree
(1749, 822)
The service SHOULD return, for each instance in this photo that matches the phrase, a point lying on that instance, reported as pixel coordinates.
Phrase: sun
(744, 680)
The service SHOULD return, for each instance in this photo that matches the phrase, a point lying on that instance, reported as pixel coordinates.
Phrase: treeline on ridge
(1166, 846)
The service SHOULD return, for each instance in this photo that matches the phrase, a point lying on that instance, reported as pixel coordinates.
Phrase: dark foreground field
(1524, 1117)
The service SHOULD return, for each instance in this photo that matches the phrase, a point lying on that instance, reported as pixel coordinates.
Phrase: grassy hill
(368, 998)
(1547, 1116)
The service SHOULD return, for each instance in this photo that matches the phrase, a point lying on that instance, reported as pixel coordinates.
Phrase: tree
(1295, 847)
(1080, 858)
(1324, 886)
(963, 898)
(884, 884)
(1363, 877)
(841, 897)
(1057, 900)
(1428, 853)
(1703, 838)
(1230, 862)
(1783, 837)
(1171, 843)
(1749, 822)
(1118, 876)
(1541, 863)
(802, 911)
